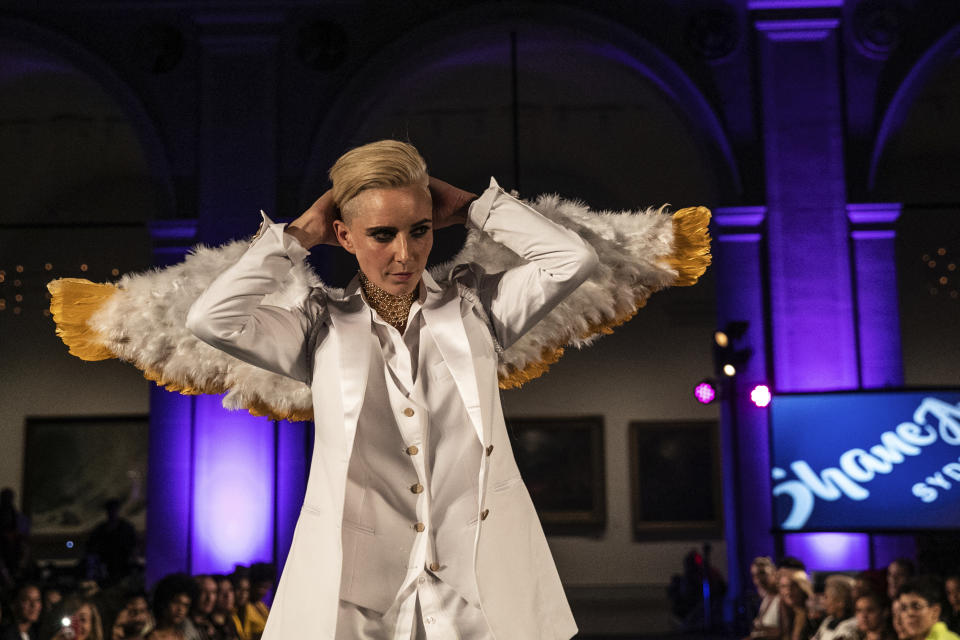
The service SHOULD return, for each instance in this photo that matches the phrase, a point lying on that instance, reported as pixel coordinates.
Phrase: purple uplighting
(829, 551)
(233, 490)
(705, 392)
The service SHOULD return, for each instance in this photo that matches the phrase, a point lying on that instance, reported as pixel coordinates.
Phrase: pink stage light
(705, 392)
(761, 395)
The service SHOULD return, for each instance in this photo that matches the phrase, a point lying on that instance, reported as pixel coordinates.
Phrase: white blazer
(325, 342)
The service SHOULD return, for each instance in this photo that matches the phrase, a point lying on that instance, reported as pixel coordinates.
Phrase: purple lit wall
(829, 551)
(811, 296)
(233, 488)
(831, 315)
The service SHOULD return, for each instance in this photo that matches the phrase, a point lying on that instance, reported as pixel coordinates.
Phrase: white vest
(380, 509)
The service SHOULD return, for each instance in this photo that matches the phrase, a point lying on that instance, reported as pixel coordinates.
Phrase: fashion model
(416, 522)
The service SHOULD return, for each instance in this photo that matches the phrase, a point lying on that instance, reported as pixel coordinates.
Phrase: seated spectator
(898, 572)
(241, 595)
(225, 622)
(134, 620)
(839, 624)
(896, 620)
(795, 592)
(921, 603)
(952, 616)
(873, 617)
(26, 609)
(787, 566)
(262, 577)
(767, 622)
(52, 596)
(172, 598)
(79, 619)
(199, 624)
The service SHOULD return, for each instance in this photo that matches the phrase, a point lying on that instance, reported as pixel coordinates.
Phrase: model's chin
(399, 284)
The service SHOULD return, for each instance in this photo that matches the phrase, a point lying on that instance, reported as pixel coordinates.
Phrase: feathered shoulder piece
(141, 319)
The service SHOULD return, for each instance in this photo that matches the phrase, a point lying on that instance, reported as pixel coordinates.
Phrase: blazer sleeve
(556, 259)
(230, 315)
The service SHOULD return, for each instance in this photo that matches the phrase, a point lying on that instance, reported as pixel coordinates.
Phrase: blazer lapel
(441, 312)
(351, 322)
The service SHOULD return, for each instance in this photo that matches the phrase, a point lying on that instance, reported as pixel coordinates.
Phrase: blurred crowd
(179, 607)
(102, 596)
(895, 604)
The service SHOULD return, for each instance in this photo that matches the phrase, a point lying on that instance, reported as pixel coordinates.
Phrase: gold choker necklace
(393, 309)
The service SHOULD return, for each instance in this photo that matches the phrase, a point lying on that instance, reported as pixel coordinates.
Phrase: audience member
(839, 624)
(795, 592)
(224, 618)
(52, 596)
(199, 624)
(262, 576)
(134, 620)
(172, 598)
(26, 609)
(14, 530)
(952, 616)
(111, 546)
(241, 593)
(921, 603)
(766, 624)
(873, 617)
(896, 619)
(898, 572)
(79, 620)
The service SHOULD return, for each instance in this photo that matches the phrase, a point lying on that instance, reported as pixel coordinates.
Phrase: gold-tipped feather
(691, 245)
(72, 303)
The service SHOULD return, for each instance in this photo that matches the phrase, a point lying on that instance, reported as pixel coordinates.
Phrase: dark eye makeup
(387, 234)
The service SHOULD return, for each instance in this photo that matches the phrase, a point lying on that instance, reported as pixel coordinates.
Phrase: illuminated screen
(863, 461)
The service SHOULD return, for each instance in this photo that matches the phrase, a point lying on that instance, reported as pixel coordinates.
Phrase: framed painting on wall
(74, 465)
(561, 461)
(675, 480)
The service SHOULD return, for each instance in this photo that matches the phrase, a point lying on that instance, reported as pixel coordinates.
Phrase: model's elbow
(198, 323)
(587, 261)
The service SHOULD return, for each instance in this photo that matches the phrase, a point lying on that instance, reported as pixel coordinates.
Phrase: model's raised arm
(231, 315)
(557, 262)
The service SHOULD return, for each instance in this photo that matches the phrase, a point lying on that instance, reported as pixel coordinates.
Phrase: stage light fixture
(728, 355)
(705, 392)
(761, 396)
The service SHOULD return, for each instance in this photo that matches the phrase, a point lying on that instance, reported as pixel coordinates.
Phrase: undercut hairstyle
(385, 164)
(926, 588)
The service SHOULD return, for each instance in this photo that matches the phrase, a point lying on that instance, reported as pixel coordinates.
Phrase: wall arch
(33, 49)
(445, 44)
(916, 81)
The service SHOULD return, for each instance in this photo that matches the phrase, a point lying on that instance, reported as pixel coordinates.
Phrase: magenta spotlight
(705, 392)
(761, 395)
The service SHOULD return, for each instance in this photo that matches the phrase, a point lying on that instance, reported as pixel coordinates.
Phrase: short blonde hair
(384, 164)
